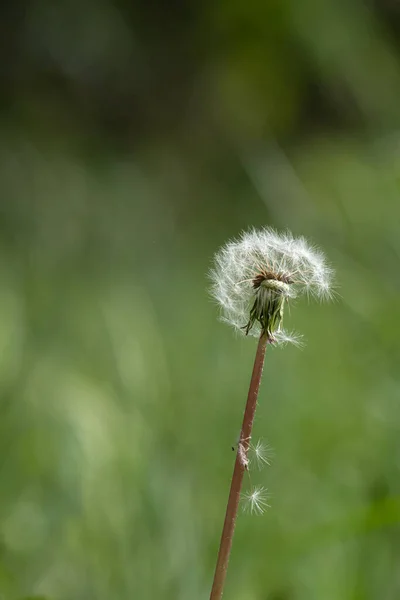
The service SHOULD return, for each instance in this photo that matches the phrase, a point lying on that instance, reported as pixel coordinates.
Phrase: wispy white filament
(262, 454)
(255, 501)
(257, 251)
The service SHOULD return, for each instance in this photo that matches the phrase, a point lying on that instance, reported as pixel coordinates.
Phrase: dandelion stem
(238, 472)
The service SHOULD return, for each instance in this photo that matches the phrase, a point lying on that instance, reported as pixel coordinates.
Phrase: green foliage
(122, 170)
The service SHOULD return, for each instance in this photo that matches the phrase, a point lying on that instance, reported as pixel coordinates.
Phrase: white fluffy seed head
(263, 265)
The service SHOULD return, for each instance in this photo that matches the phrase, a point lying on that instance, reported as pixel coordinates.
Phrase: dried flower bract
(254, 276)
(262, 454)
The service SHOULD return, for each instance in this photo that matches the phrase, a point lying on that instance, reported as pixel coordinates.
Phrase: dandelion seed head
(255, 500)
(253, 277)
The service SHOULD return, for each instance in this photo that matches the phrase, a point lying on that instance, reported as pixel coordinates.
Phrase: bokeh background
(135, 139)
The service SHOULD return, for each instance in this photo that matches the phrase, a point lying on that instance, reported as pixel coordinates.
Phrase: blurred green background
(136, 138)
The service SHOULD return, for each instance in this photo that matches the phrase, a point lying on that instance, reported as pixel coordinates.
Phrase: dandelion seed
(255, 276)
(255, 501)
(283, 337)
(262, 453)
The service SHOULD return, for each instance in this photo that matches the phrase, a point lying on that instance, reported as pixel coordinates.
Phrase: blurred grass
(121, 393)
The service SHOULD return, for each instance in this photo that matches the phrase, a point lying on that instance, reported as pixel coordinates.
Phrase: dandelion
(255, 501)
(253, 278)
(262, 453)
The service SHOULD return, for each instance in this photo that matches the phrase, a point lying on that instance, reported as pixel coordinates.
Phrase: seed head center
(271, 280)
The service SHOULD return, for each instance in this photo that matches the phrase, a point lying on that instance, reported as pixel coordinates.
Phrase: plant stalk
(238, 472)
